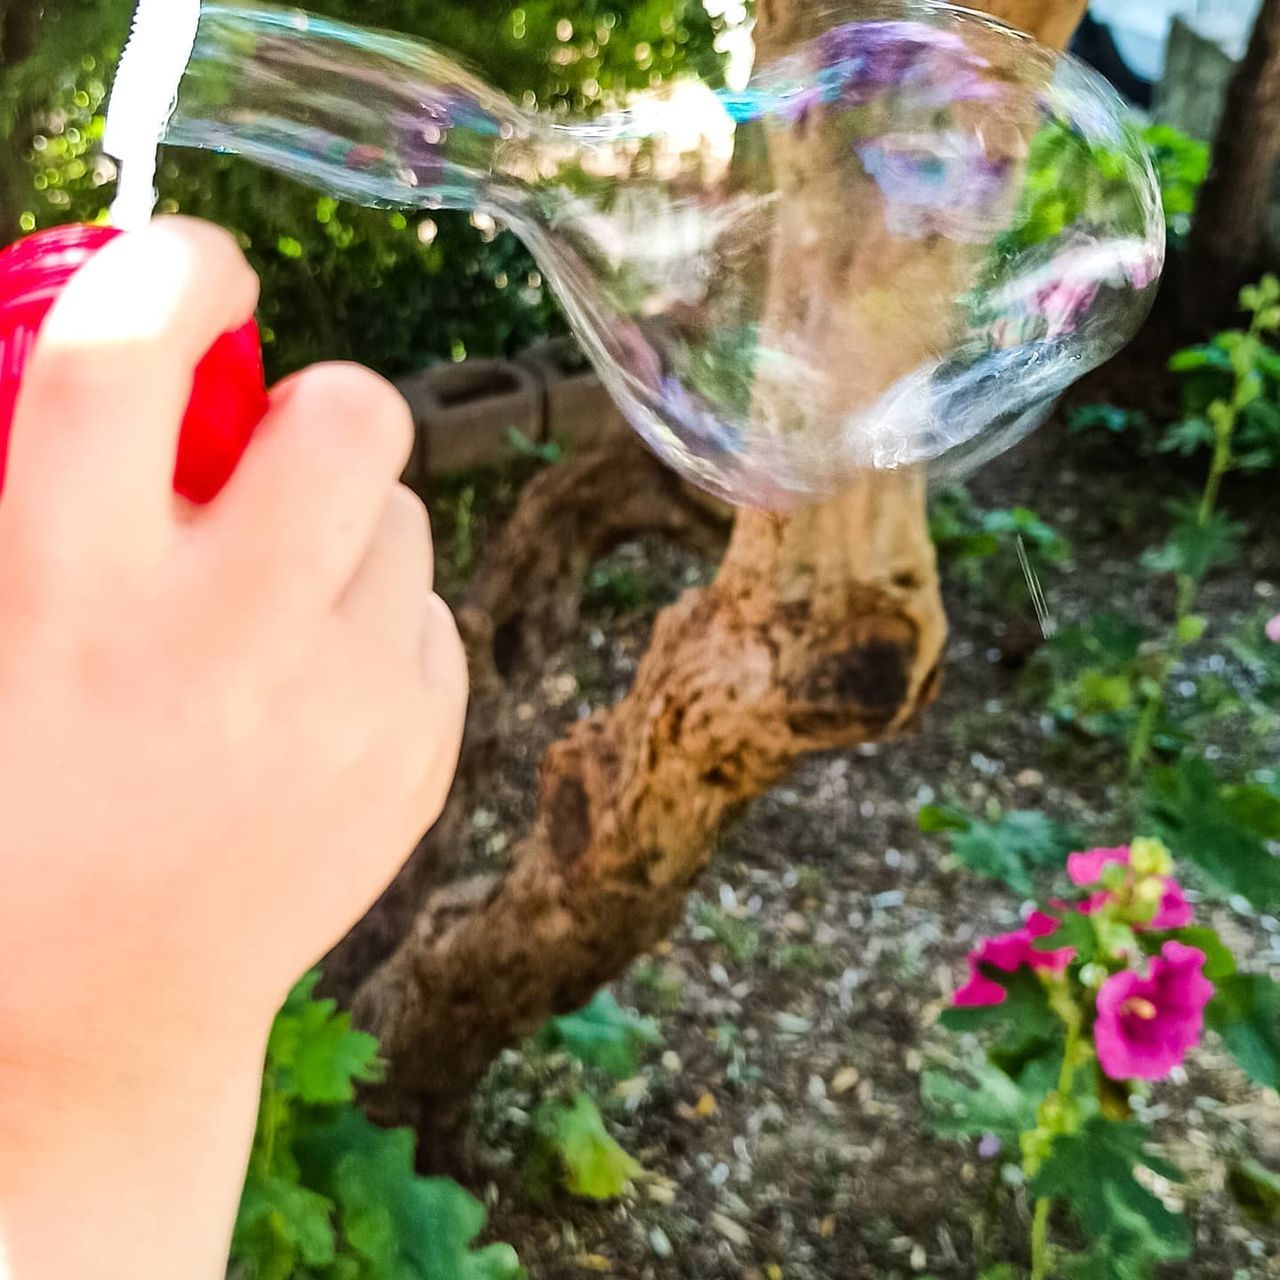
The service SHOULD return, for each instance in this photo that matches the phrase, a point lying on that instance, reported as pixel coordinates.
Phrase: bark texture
(821, 630)
(1229, 240)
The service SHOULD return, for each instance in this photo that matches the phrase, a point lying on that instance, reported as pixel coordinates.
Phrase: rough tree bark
(523, 603)
(1229, 239)
(821, 630)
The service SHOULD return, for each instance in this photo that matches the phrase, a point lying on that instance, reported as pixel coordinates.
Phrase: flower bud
(1150, 857)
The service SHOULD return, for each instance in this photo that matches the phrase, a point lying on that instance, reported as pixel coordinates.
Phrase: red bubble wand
(229, 396)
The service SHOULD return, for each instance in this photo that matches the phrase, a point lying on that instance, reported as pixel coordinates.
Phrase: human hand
(225, 727)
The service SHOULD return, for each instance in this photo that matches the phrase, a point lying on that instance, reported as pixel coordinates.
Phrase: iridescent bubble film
(898, 246)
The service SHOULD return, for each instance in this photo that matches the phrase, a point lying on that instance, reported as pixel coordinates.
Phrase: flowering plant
(1098, 995)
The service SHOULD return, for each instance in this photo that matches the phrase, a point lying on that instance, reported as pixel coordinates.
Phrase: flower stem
(1144, 734)
(1040, 1240)
(1041, 1251)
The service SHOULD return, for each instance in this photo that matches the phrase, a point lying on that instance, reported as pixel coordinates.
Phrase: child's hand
(223, 728)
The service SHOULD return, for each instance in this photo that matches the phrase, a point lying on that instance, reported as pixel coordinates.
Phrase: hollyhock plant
(1121, 1005)
(1147, 1024)
(1009, 952)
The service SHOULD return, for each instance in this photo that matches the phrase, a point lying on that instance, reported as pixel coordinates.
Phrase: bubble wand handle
(229, 397)
(142, 100)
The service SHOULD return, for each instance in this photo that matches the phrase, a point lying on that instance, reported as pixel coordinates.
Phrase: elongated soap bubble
(898, 246)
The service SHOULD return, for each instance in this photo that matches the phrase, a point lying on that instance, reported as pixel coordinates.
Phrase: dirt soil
(780, 1118)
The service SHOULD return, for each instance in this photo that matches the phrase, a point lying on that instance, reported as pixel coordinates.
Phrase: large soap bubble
(899, 245)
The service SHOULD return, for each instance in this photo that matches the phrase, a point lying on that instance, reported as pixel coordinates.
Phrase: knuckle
(411, 517)
(213, 254)
(364, 408)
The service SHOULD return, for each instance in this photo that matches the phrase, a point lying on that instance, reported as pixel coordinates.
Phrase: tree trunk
(1229, 239)
(821, 630)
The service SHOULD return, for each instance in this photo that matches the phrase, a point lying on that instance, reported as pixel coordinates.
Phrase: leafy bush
(1110, 677)
(331, 1196)
(390, 290)
(1182, 165)
(553, 1101)
(1014, 848)
(1237, 373)
(969, 537)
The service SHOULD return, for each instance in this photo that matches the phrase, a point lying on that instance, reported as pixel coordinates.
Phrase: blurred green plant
(1112, 677)
(571, 1148)
(603, 1035)
(986, 547)
(1237, 372)
(1016, 848)
(331, 1196)
(1182, 165)
(389, 290)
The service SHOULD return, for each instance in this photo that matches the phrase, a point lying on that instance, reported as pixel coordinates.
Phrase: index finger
(95, 434)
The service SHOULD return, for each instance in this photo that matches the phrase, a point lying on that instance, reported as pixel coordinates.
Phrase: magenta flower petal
(1147, 1024)
(978, 991)
(1086, 868)
(1009, 952)
(1174, 911)
(1273, 629)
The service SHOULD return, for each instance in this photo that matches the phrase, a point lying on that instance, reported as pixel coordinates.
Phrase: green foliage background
(339, 281)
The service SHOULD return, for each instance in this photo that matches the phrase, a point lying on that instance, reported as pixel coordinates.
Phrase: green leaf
(935, 818)
(1196, 546)
(1245, 1012)
(602, 1035)
(980, 1098)
(1026, 524)
(1206, 356)
(1256, 808)
(1192, 628)
(1100, 691)
(1074, 930)
(1025, 1027)
(281, 1225)
(1014, 847)
(1199, 822)
(396, 1223)
(314, 1053)
(1092, 1171)
(572, 1147)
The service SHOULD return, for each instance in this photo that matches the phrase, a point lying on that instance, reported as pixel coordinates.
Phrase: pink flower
(1146, 1025)
(1273, 629)
(1009, 952)
(1085, 869)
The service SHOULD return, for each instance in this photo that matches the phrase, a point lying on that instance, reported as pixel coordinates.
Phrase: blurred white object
(1140, 28)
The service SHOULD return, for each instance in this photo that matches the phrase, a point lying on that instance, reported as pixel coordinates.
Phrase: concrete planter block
(465, 413)
(1194, 88)
(577, 410)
